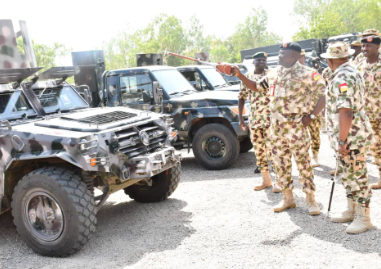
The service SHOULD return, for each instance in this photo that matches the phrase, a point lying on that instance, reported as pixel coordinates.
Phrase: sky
(84, 25)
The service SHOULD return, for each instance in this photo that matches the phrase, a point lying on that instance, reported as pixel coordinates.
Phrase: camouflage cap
(356, 43)
(370, 32)
(372, 39)
(303, 52)
(260, 54)
(337, 50)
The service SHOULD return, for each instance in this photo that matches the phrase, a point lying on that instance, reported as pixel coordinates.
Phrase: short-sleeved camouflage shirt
(372, 77)
(346, 90)
(259, 101)
(291, 91)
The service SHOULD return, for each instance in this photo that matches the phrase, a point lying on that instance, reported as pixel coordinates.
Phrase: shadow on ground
(129, 230)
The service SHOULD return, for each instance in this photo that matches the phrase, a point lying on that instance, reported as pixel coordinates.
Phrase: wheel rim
(214, 147)
(44, 216)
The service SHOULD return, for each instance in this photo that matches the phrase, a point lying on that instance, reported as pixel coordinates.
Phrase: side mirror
(157, 92)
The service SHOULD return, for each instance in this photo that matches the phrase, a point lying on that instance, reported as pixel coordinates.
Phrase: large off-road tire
(53, 211)
(163, 185)
(215, 146)
(245, 145)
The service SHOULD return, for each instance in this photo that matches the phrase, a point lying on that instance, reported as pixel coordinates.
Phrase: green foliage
(168, 33)
(325, 18)
(46, 56)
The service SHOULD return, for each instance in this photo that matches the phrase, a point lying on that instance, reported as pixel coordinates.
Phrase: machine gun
(223, 68)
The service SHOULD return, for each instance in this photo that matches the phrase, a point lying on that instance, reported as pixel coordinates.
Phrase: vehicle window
(194, 79)
(172, 81)
(136, 89)
(63, 98)
(22, 104)
(4, 99)
(213, 77)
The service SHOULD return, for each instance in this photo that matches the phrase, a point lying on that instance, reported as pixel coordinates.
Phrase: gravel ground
(215, 220)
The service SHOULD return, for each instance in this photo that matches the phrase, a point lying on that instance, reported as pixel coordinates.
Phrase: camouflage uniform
(290, 93)
(360, 136)
(372, 77)
(259, 121)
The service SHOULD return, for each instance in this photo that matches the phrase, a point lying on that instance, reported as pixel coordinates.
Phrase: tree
(46, 56)
(325, 18)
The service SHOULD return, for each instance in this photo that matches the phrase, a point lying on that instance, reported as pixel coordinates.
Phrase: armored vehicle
(61, 160)
(206, 121)
(203, 77)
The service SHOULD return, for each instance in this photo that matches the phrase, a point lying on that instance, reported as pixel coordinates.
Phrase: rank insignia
(343, 87)
(315, 76)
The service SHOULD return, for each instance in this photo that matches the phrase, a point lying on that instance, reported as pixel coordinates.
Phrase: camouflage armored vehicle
(207, 122)
(61, 160)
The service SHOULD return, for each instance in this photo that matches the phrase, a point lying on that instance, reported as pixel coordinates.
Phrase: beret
(291, 46)
(373, 39)
(260, 55)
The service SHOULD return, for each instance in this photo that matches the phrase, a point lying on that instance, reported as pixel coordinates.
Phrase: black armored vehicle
(206, 121)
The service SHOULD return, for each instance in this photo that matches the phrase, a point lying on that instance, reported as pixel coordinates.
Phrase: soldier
(368, 32)
(314, 127)
(290, 87)
(371, 70)
(259, 121)
(350, 134)
(356, 46)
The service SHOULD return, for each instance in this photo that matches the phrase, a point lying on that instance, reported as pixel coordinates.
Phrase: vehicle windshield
(60, 98)
(14, 105)
(172, 81)
(213, 77)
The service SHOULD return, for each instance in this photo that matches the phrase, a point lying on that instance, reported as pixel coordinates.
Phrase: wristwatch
(342, 143)
(312, 116)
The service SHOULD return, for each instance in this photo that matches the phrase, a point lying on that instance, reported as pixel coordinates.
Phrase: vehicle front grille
(130, 142)
(108, 117)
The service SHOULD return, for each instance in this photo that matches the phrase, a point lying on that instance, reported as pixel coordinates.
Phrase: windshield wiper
(174, 93)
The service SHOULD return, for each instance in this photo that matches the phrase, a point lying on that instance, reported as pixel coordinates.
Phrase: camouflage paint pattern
(262, 147)
(291, 92)
(356, 183)
(360, 135)
(372, 77)
(100, 148)
(314, 131)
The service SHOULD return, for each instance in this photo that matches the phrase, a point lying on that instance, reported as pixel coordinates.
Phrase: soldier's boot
(347, 215)
(378, 184)
(286, 203)
(266, 181)
(361, 222)
(312, 206)
(276, 188)
(315, 161)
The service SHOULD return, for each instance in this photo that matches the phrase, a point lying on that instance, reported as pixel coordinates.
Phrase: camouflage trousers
(291, 139)
(322, 122)
(261, 143)
(356, 183)
(314, 130)
(375, 148)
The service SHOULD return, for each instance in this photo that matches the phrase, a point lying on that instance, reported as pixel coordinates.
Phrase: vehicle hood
(234, 88)
(203, 99)
(87, 121)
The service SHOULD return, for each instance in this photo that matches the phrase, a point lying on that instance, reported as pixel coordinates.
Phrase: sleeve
(243, 92)
(345, 90)
(317, 86)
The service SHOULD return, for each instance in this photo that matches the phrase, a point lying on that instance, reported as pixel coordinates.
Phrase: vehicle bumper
(239, 132)
(151, 164)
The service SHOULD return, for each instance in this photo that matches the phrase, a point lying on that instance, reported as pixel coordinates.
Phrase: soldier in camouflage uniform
(371, 70)
(314, 127)
(259, 121)
(361, 56)
(290, 87)
(356, 46)
(350, 134)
